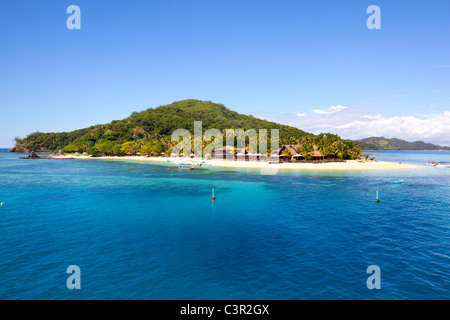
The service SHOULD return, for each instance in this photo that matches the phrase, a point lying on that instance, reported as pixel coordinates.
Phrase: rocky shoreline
(34, 156)
(24, 150)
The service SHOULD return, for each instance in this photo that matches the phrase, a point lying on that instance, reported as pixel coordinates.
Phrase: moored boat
(185, 166)
(439, 164)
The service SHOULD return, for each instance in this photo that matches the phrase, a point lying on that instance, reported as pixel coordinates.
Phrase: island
(147, 136)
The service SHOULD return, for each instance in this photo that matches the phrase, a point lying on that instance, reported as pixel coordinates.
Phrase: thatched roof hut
(316, 154)
(292, 148)
(226, 151)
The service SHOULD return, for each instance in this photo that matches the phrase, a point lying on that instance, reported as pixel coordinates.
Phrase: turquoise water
(150, 231)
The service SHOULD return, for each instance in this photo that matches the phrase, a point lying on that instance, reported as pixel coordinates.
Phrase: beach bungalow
(240, 153)
(316, 156)
(292, 149)
(224, 152)
(289, 149)
(368, 157)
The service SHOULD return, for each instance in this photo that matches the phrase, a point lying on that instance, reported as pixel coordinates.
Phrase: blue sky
(311, 64)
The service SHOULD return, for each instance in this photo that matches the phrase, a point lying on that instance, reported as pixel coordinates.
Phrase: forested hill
(150, 131)
(380, 143)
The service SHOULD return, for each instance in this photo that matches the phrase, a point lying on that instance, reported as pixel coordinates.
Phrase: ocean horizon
(150, 231)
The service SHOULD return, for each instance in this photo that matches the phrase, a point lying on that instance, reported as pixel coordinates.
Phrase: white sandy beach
(349, 165)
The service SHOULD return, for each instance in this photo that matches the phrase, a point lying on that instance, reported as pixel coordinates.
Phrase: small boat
(185, 166)
(443, 165)
(397, 182)
(439, 164)
(202, 164)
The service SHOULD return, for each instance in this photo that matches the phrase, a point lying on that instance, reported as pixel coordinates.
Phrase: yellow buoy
(2, 204)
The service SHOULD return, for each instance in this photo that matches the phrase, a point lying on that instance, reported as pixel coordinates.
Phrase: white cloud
(330, 110)
(434, 128)
(378, 116)
(301, 114)
(358, 123)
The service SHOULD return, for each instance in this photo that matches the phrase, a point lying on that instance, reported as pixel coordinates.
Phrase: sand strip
(349, 165)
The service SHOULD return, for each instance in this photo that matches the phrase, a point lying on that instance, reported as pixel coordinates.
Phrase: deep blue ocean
(150, 231)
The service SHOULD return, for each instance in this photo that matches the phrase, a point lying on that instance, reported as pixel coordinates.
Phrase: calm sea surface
(150, 231)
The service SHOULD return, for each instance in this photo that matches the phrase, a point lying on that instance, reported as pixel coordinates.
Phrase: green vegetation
(380, 143)
(149, 132)
(329, 144)
(306, 149)
(287, 153)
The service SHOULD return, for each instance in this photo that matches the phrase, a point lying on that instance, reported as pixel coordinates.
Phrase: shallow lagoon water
(149, 231)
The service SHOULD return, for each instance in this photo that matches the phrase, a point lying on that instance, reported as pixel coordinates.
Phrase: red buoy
(213, 198)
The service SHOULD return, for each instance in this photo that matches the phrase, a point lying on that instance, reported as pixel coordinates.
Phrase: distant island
(149, 133)
(381, 143)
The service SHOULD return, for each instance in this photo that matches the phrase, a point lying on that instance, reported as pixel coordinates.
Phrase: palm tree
(321, 146)
(305, 150)
(232, 151)
(330, 149)
(341, 149)
(131, 147)
(286, 153)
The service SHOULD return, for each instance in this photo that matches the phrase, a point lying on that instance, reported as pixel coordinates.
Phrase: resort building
(288, 152)
(239, 153)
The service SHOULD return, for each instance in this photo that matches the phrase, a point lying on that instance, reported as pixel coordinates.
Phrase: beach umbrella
(297, 155)
(275, 156)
